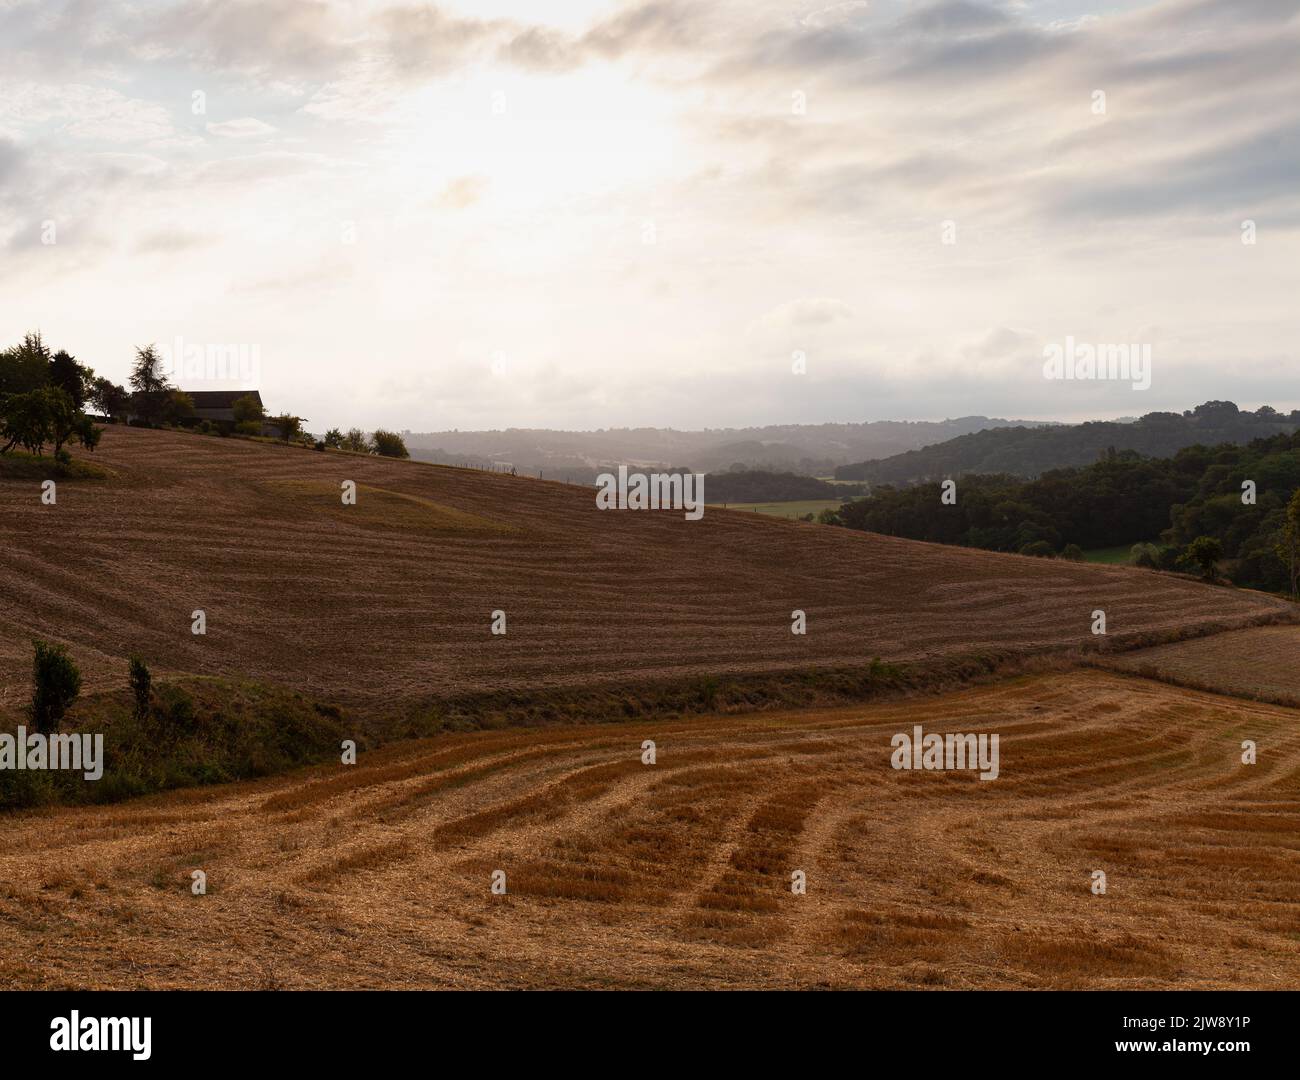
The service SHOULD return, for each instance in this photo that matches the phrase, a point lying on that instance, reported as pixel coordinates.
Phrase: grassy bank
(18, 465)
(199, 731)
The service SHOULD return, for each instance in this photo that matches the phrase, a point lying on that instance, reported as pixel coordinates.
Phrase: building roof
(219, 399)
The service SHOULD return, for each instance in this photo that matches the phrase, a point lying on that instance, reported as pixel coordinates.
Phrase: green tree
(288, 426)
(141, 682)
(25, 366)
(56, 684)
(389, 444)
(333, 438)
(1072, 552)
(174, 406)
(74, 379)
(248, 409)
(1205, 552)
(1288, 547)
(25, 421)
(356, 441)
(150, 383)
(109, 399)
(68, 422)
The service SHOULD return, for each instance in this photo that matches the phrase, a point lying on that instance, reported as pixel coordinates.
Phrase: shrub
(175, 710)
(1170, 558)
(356, 441)
(389, 444)
(141, 681)
(1040, 549)
(1204, 552)
(57, 682)
(1073, 552)
(288, 425)
(248, 409)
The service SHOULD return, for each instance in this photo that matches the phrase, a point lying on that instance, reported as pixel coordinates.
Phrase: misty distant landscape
(807, 449)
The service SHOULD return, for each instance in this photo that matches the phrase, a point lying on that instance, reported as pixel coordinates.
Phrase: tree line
(45, 395)
(1164, 505)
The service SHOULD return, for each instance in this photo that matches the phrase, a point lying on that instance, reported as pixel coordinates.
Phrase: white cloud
(244, 128)
(503, 176)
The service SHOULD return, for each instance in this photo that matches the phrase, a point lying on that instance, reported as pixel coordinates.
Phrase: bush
(1073, 552)
(356, 441)
(1170, 558)
(1040, 549)
(1204, 552)
(175, 710)
(288, 425)
(320, 445)
(141, 681)
(389, 444)
(57, 682)
(248, 409)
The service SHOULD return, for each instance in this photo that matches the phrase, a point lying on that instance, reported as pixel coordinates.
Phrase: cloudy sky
(592, 213)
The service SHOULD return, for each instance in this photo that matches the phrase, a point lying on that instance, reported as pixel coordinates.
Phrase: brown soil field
(1261, 663)
(391, 600)
(677, 874)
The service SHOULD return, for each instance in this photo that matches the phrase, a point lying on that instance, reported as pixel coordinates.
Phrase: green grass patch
(19, 465)
(200, 731)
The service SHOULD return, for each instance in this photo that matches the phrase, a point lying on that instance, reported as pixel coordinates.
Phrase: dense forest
(1124, 499)
(1031, 451)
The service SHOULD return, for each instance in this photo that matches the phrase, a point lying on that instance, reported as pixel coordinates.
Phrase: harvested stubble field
(1261, 663)
(677, 874)
(390, 600)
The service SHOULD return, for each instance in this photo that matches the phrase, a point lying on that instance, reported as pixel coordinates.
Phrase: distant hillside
(809, 449)
(754, 486)
(1031, 451)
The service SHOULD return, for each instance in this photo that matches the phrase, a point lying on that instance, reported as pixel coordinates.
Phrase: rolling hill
(1028, 452)
(618, 872)
(387, 605)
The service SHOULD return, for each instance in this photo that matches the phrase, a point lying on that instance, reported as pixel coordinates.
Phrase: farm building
(218, 406)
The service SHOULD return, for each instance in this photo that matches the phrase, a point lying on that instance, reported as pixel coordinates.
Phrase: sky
(607, 213)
